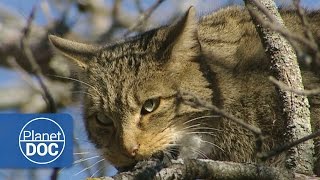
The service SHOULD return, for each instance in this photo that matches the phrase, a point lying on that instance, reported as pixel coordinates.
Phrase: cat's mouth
(170, 153)
(167, 154)
(187, 149)
(162, 156)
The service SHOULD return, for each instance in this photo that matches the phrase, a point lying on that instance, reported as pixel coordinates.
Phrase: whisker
(189, 127)
(172, 150)
(83, 92)
(171, 154)
(213, 145)
(197, 118)
(207, 128)
(201, 132)
(79, 153)
(200, 153)
(88, 167)
(201, 117)
(167, 153)
(84, 140)
(172, 145)
(96, 172)
(84, 159)
(76, 80)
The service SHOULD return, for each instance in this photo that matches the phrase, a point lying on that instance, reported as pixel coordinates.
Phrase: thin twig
(265, 11)
(307, 40)
(196, 102)
(283, 31)
(46, 10)
(284, 65)
(38, 73)
(116, 8)
(24, 74)
(138, 6)
(33, 63)
(115, 22)
(286, 147)
(284, 87)
(304, 21)
(315, 54)
(144, 16)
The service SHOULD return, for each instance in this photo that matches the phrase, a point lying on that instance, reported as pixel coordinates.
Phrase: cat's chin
(129, 165)
(156, 157)
(125, 163)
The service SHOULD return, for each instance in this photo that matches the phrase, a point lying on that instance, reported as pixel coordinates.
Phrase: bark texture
(199, 169)
(295, 107)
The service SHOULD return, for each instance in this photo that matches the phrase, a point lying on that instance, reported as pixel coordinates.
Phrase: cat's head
(132, 103)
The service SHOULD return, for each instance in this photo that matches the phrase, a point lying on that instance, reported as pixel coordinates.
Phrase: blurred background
(27, 60)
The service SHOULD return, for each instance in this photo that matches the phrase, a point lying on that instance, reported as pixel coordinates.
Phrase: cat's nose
(132, 150)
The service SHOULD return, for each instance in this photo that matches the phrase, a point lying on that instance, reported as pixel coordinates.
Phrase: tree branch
(284, 66)
(143, 17)
(284, 87)
(34, 65)
(199, 169)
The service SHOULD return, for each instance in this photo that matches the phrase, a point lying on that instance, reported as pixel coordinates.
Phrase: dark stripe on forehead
(126, 63)
(138, 46)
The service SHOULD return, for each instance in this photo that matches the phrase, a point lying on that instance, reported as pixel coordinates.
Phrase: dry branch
(197, 102)
(10, 46)
(284, 87)
(34, 65)
(199, 169)
(284, 66)
(285, 147)
(28, 97)
(143, 17)
(315, 52)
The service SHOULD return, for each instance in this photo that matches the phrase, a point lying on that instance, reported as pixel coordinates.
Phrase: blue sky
(23, 7)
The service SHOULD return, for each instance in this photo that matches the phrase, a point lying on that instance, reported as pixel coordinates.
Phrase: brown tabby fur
(220, 60)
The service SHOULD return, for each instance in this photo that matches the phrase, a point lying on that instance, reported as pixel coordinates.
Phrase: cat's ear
(184, 35)
(80, 53)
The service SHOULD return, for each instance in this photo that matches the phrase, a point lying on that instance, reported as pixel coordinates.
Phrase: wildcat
(132, 105)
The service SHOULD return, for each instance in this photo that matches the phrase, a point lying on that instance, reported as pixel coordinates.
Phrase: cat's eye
(150, 105)
(103, 120)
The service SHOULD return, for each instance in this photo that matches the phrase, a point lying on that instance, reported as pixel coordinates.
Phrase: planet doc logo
(42, 140)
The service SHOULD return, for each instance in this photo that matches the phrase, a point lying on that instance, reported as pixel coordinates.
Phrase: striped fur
(219, 59)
